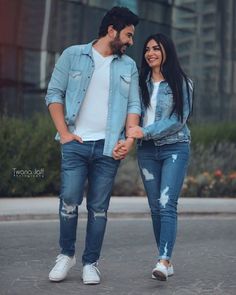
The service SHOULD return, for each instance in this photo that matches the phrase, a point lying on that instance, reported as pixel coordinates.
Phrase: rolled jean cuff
(68, 253)
(163, 257)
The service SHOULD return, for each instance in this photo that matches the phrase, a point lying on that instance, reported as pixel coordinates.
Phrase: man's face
(122, 40)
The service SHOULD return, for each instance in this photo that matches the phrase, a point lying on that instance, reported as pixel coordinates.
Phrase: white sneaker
(91, 274)
(62, 267)
(160, 272)
(170, 270)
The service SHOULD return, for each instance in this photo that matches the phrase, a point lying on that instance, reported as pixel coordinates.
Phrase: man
(92, 97)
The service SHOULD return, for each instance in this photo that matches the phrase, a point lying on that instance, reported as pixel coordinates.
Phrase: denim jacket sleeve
(134, 97)
(170, 125)
(58, 83)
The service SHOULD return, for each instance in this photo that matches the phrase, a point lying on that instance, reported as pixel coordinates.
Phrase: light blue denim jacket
(69, 84)
(166, 129)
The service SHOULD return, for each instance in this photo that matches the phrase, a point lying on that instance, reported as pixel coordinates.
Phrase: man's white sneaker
(91, 274)
(160, 272)
(62, 267)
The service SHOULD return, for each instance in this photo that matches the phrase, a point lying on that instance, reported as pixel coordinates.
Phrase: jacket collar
(149, 79)
(88, 49)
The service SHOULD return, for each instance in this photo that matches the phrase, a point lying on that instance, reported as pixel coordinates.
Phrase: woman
(163, 148)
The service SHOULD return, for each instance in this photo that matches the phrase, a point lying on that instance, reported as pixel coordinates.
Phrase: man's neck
(103, 47)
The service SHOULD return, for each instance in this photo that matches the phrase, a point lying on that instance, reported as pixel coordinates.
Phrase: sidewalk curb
(113, 215)
(40, 208)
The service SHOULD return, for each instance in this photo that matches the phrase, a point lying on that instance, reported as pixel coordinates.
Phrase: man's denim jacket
(168, 129)
(69, 84)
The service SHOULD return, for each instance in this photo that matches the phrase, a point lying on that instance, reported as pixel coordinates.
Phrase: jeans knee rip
(68, 211)
(147, 174)
(174, 157)
(164, 197)
(99, 214)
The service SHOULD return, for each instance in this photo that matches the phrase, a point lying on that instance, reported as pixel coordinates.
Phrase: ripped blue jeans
(81, 162)
(163, 170)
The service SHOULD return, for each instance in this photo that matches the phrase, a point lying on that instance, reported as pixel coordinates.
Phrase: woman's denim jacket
(168, 129)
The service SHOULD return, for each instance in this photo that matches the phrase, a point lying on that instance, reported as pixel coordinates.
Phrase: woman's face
(153, 54)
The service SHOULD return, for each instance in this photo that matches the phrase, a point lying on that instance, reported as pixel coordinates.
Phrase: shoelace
(93, 267)
(61, 261)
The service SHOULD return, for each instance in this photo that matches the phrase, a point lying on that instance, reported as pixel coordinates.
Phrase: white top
(149, 117)
(91, 122)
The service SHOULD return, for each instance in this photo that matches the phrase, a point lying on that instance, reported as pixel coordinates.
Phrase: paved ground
(205, 257)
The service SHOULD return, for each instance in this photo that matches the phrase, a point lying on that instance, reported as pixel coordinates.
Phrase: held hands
(122, 148)
(135, 132)
(67, 137)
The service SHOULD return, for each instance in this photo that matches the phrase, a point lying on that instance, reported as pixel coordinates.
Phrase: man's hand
(122, 148)
(67, 137)
(135, 132)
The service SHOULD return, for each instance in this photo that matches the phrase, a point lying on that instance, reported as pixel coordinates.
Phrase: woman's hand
(135, 132)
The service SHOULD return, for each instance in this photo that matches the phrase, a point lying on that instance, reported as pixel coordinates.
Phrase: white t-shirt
(91, 121)
(149, 117)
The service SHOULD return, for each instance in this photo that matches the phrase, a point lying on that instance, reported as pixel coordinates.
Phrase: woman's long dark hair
(171, 71)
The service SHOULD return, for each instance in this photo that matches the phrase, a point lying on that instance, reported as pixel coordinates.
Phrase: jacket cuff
(53, 100)
(146, 135)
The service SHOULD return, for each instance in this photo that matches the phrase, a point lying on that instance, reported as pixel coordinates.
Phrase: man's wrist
(63, 133)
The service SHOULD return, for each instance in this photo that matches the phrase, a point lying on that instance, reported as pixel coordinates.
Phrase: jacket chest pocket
(75, 78)
(166, 100)
(125, 81)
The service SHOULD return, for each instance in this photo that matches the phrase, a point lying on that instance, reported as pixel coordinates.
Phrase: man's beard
(117, 46)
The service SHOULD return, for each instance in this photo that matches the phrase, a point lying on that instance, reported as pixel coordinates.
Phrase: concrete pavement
(204, 258)
(47, 207)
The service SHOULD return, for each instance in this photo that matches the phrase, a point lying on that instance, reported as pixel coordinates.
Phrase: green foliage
(214, 156)
(208, 134)
(30, 158)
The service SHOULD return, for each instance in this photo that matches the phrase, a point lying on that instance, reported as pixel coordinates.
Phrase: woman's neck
(157, 75)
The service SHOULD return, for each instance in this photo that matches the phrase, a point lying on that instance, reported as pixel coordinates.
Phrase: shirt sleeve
(59, 79)
(134, 97)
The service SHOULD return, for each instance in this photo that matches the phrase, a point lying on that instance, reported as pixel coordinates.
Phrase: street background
(204, 256)
(33, 34)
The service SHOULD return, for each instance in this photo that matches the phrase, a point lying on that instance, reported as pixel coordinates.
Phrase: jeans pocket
(68, 142)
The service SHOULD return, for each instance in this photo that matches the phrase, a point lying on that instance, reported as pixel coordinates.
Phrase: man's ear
(111, 32)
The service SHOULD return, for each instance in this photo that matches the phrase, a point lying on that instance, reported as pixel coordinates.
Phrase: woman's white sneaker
(160, 272)
(170, 270)
(63, 264)
(91, 274)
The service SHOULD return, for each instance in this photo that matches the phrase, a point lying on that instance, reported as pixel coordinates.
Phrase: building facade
(33, 33)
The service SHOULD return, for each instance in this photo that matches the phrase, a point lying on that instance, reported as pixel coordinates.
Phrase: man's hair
(119, 18)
